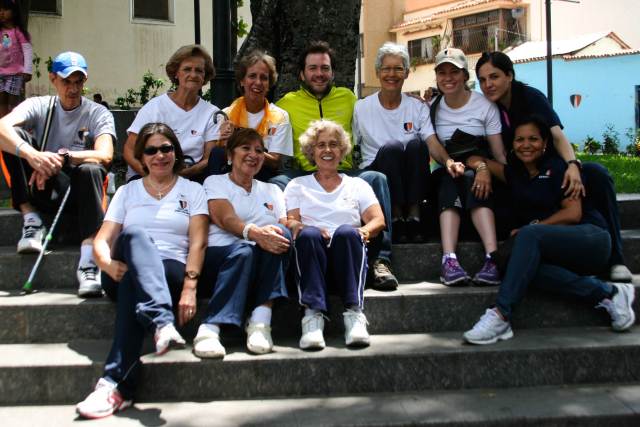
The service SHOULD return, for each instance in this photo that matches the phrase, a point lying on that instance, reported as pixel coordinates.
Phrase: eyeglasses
(323, 145)
(152, 149)
(392, 70)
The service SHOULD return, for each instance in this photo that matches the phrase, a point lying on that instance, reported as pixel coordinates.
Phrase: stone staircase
(564, 366)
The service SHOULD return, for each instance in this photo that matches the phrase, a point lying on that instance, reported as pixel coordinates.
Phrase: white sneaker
(620, 273)
(32, 239)
(207, 345)
(312, 327)
(103, 401)
(89, 281)
(489, 329)
(259, 338)
(620, 307)
(355, 329)
(167, 337)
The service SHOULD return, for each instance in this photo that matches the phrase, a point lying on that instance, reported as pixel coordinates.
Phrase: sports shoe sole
(207, 354)
(462, 281)
(29, 249)
(482, 282)
(93, 416)
(356, 343)
(389, 284)
(507, 335)
(91, 292)
(630, 295)
(312, 345)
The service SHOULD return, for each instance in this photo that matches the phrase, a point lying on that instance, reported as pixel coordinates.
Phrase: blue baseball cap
(67, 63)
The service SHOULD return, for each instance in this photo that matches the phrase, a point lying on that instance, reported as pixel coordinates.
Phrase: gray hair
(309, 138)
(392, 49)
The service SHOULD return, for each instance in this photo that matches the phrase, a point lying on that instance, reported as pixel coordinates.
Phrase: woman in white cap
(465, 123)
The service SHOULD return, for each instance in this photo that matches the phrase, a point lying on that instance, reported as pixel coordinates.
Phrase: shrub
(611, 140)
(591, 146)
(149, 89)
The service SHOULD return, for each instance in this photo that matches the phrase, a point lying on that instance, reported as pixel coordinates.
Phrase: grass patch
(5, 203)
(624, 170)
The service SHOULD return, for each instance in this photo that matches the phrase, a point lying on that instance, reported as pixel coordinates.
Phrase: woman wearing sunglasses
(150, 249)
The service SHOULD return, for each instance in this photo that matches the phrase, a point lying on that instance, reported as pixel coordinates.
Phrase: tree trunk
(284, 28)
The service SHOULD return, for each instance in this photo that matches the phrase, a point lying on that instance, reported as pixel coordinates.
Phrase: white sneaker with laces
(620, 307)
(32, 238)
(167, 337)
(355, 329)
(207, 345)
(312, 328)
(89, 281)
(259, 338)
(103, 401)
(489, 329)
(620, 273)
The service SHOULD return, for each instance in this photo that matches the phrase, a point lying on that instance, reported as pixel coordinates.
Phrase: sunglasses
(151, 150)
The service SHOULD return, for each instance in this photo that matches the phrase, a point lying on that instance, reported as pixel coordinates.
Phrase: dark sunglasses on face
(151, 149)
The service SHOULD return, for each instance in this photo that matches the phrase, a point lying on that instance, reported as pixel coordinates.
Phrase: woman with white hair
(331, 216)
(391, 129)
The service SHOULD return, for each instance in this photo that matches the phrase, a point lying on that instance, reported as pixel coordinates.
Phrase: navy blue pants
(601, 194)
(406, 169)
(232, 273)
(559, 259)
(341, 262)
(380, 246)
(144, 301)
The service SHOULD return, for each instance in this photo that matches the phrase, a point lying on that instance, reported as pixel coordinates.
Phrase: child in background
(15, 56)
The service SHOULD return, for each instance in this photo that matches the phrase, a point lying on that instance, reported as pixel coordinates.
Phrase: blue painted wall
(607, 86)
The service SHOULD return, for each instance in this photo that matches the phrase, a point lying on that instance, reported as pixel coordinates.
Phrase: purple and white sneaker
(488, 274)
(452, 274)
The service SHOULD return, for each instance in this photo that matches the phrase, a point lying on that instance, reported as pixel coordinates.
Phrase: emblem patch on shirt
(268, 206)
(408, 126)
(272, 131)
(546, 175)
(194, 132)
(183, 206)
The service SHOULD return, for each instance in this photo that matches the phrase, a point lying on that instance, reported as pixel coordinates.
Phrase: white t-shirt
(75, 129)
(478, 116)
(375, 126)
(318, 208)
(166, 220)
(264, 205)
(279, 138)
(193, 128)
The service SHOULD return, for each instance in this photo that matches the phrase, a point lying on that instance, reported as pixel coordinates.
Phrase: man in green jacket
(318, 98)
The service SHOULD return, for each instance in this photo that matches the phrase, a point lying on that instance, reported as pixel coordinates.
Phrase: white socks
(310, 312)
(207, 328)
(86, 256)
(261, 314)
(448, 255)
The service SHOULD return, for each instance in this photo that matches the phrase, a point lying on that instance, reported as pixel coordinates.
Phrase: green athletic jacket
(303, 107)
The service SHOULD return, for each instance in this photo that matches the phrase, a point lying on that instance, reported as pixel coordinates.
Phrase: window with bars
(157, 10)
(423, 50)
(477, 33)
(50, 7)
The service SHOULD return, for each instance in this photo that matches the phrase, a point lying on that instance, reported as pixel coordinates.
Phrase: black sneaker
(382, 277)
(414, 231)
(399, 231)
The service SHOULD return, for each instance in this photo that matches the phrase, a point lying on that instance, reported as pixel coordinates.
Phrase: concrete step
(11, 221)
(64, 373)
(597, 405)
(411, 262)
(60, 316)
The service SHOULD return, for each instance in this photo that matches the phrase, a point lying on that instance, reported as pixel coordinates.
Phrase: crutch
(27, 287)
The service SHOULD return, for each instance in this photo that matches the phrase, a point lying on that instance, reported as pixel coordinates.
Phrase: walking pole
(27, 287)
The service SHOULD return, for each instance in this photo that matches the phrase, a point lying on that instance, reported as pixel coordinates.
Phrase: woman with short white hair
(391, 129)
(331, 216)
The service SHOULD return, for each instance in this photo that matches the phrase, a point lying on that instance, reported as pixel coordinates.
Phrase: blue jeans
(143, 303)
(231, 272)
(340, 264)
(380, 246)
(559, 259)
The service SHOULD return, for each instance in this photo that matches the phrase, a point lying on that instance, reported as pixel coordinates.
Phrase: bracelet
(245, 230)
(482, 167)
(18, 148)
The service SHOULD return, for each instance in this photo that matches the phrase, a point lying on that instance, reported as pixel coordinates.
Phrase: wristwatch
(576, 162)
(64, 152)
(193, 275)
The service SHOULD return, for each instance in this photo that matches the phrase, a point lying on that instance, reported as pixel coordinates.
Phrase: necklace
(160, 191)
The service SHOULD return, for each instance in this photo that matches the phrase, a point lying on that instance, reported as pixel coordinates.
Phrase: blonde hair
(309, 138)
(187, 52)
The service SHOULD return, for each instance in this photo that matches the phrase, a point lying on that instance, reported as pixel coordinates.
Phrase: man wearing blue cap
(78, 136)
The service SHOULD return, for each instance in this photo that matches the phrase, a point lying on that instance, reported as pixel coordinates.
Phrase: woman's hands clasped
(270, 238)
